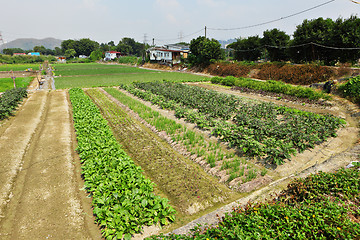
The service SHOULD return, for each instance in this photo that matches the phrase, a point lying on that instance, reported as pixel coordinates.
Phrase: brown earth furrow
(14, 141)
(46, 202)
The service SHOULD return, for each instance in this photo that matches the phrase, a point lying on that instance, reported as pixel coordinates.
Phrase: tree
(316, 31)
(203, 50)
(11, 51)
(96, 55)
(272, 40)
(58, 51)
(70, 53)
(248, 49)
(40, 49)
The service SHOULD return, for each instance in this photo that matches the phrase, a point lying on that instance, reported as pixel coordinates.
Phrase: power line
(276, 20)
(183, 37)
(296, 46)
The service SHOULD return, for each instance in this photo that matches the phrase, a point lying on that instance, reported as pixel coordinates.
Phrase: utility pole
(205, 31)
(153, 42)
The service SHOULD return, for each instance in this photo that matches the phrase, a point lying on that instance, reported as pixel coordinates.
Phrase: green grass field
(93, 69)
(7, 83)
(100, 75)
(18, 67)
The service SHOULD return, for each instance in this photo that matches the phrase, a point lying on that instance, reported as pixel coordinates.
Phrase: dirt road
(40, 196)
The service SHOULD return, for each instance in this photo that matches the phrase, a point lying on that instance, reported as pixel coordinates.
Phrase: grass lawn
(7, 83)
(19, 67)
(100, 75)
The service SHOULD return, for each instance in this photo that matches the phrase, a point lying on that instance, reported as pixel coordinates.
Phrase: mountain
(30, 43)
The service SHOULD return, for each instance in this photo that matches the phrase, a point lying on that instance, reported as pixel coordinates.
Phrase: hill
(30, 43)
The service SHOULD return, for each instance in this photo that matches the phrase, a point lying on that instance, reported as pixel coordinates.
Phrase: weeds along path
(185, 184)
(39, 181)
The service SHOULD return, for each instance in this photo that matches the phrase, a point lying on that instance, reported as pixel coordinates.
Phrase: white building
(168, 54)
(111, 55)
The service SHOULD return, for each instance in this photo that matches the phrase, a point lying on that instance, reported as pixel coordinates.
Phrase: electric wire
(275, 20)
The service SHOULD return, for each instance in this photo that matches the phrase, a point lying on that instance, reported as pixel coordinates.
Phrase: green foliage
(247, 48)
(310, 208)
(123, 198)
(272, 86)
(128, 60)
(204, 50)
(351, 89)
(70, 53)
(25, 59)
(9, 100)
(96, 55)
(84, 46)
(275, 42)
(7, 83)
(261, 130)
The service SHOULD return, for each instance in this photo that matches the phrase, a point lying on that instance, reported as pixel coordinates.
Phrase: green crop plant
(123, 199)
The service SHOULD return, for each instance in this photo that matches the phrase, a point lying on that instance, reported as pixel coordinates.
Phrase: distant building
(83, 56)
(169, 54)
(34, 53)
(19, 53)
(111, 55)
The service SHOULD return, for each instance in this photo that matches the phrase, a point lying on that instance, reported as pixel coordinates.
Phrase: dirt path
(39, 179)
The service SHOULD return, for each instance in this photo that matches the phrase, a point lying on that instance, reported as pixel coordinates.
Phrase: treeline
(319, 39)
(74, 48)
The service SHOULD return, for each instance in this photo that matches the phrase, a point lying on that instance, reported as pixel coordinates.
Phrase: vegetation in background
(321, 206)
(25, 59)
(307, 43)
(9, 100)
(203, 51)
(123, 198)
(130, 60)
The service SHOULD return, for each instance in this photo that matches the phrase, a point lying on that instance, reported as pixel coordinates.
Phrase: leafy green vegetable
(123, 198)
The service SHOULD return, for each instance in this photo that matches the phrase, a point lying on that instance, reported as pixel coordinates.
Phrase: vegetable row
(263, 130)
(123, 198)
(9, 100)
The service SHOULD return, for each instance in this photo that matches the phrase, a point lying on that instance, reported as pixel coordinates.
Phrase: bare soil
(40, 196)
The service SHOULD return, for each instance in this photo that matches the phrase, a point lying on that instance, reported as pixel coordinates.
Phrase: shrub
(351, 89)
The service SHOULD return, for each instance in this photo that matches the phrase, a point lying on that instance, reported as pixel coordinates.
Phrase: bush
(293, 74)
(351, 89)
(129, 60)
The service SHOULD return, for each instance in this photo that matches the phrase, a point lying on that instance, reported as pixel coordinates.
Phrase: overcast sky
(164, 20)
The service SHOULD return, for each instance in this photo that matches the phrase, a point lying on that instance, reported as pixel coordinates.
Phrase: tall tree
(203, 50)
(275, 42)
(248, 49)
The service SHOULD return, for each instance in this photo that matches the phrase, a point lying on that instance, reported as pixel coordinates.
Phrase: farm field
(102, 75)
(142, 151)
(7, 83)
(18, 67)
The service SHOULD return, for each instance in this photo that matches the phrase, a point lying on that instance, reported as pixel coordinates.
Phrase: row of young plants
(208, 102)
(264, 130)
(321, 206)
(194, 142)
(184, 186)
(123, 199)
(351, 89)
(9, 100)
(272, 86)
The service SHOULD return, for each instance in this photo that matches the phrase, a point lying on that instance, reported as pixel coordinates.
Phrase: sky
(165, 21)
